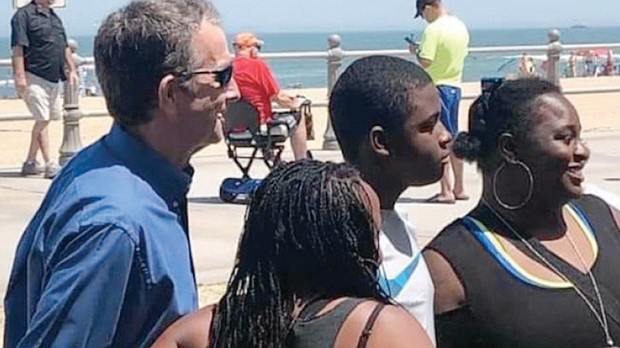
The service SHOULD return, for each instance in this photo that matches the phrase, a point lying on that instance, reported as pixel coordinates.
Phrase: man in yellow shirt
(442, 53)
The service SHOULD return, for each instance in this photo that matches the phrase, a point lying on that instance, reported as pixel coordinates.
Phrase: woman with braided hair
(306, 271)
(535, 264)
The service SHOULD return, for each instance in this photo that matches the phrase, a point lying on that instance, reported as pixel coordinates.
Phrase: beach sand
(598, 111)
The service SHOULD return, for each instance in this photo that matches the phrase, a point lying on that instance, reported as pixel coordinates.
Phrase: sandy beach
(598, 111)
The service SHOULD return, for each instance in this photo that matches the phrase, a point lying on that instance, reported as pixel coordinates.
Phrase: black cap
(421, 4)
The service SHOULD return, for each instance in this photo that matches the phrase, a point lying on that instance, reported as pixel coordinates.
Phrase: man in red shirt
(259, 87)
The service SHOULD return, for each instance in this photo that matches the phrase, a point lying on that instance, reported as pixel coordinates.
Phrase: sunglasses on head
(488, 85)
(258, 47)
(222, 76)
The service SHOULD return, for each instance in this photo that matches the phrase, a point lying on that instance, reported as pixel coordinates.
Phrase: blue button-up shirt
(106, 261)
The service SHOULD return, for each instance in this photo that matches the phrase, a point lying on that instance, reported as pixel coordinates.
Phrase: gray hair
(138, 45)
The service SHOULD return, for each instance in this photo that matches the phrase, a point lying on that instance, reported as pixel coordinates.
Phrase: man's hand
(20, 86)
(413, 48)
(298, 101)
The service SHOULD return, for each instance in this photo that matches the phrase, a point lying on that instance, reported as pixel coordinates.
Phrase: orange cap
(247, 39)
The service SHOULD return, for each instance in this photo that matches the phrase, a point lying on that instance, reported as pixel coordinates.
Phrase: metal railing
(334, 57)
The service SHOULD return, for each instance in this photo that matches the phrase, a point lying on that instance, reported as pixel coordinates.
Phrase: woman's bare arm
(449, 292)
(191, 331)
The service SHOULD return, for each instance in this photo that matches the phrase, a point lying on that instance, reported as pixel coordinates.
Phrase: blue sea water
(312, 73)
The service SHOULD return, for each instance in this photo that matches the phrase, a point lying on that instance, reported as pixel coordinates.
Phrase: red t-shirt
(256, 84)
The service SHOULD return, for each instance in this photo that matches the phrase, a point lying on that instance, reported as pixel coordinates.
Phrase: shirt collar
(169, 181)
(37, 9)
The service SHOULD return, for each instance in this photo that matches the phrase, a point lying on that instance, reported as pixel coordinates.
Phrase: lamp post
(334, 62)
(71, 140)
(554, 49)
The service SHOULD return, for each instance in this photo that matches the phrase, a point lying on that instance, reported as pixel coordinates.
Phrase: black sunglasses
(488, 85)
(222, 77)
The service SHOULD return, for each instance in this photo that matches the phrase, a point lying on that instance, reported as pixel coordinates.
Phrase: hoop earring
(530, 190)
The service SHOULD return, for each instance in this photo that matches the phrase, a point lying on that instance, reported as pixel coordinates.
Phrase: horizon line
(354, 30)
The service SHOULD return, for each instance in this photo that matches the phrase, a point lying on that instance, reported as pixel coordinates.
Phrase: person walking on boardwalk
(40, 55)
(442, 52)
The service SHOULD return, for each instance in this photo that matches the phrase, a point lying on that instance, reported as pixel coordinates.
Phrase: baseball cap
(421, 4)
(247, 39)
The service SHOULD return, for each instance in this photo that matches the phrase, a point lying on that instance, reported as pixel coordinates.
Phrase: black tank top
(508, 307)
(320, 331)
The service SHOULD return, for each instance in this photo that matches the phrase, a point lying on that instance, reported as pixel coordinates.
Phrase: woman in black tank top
(306, 271)
(536, 263)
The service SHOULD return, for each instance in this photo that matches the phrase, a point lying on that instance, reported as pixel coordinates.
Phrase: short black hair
(374, 90)
(511, 108)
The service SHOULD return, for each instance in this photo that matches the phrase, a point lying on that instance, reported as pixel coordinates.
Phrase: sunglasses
(488, 85)
(258, 47)
(222, 77)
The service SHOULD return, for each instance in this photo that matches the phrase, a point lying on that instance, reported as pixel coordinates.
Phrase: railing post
(554, 49)
(334, 62)
(71, 140)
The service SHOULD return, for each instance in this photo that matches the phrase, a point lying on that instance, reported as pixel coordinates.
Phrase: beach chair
(247, 141)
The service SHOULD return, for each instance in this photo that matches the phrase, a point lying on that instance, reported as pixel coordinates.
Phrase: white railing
(90, 61)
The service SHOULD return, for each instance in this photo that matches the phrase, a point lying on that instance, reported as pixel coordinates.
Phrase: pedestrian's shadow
(215, 200)
(407, 200)
(15, 175)
(611, 179)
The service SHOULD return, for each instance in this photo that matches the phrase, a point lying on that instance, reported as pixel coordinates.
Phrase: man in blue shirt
(106, 260)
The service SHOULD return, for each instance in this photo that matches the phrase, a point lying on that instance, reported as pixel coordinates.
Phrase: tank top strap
(596, 213)
(314, 330)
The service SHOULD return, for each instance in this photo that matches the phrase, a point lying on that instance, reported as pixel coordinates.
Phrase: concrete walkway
(215, 226)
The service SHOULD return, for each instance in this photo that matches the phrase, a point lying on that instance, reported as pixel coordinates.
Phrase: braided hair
(308, 234)
(509, 108)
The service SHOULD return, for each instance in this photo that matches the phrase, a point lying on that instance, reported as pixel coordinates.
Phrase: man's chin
(431, 179)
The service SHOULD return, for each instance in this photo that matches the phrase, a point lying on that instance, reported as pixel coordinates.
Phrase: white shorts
(42, 98)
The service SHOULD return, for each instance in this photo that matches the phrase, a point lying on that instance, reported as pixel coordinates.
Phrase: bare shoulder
(449, 291)
(190, 331)
(394, 327)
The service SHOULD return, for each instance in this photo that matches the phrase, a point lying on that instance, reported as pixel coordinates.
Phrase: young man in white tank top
(385, 112)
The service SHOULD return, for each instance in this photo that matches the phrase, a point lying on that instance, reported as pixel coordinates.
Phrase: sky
(82, 17)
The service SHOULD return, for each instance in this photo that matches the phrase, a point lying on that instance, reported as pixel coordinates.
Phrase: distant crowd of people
(591, 63)
(324, 259)
(587, 63)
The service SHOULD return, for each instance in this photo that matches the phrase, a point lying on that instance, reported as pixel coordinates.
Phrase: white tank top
(403, 274)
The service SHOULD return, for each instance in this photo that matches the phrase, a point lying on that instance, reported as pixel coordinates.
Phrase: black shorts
(290, 118)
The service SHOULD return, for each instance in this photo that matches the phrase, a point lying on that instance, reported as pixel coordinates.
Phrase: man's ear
(506, 147)
(166, 93)
(378, 141)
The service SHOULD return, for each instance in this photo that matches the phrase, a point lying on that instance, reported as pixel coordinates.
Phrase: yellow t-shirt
(445, 42)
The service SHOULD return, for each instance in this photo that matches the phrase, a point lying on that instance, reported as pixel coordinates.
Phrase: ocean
(312, 73)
